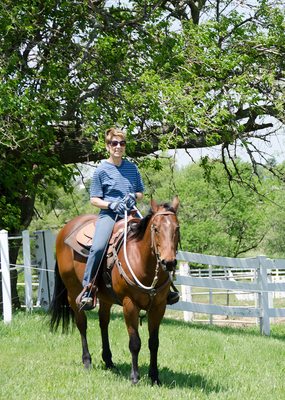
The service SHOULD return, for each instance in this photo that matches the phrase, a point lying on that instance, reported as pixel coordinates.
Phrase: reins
(149, 289)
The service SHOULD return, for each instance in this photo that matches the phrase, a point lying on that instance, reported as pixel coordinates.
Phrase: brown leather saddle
(80, 239)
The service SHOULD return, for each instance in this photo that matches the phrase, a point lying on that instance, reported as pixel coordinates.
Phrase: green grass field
(195, 361)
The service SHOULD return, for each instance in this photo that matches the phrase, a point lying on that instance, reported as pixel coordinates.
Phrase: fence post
(263, 297)
(227, 277)
(211, 294)
(27, 271)
(257, 294)
(6, 282)
(46, 261)
(270, 294)
(186, 291)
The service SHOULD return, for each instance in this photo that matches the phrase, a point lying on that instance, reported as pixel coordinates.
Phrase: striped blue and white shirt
(112, 183)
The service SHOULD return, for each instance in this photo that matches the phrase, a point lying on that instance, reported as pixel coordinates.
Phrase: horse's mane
(138, 230)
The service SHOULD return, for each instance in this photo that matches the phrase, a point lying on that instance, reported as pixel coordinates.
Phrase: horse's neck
(144, 248)
(148, 238)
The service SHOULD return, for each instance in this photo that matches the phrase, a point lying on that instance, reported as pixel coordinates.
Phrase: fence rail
(262, 286)
(254, 277)
(43, 266)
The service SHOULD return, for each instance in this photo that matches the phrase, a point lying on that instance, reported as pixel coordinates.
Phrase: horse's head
(165, 233)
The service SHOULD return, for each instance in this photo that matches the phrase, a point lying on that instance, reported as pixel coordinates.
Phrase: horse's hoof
(110, 366)
(155, 382)
(87, 365)
(135, 380)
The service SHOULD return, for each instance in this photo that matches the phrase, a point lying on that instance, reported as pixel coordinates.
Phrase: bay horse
(140, 279)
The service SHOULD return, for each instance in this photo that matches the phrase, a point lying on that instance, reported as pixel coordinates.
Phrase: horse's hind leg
(104, 319)
(81, 323)
(131, 314)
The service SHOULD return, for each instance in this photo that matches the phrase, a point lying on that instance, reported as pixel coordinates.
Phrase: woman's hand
(130, 201)
(118, 207)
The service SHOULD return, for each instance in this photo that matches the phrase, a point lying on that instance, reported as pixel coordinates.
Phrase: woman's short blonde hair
(111, 132)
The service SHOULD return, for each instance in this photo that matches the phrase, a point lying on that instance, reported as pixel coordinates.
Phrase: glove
(118, 207)
(130, 201)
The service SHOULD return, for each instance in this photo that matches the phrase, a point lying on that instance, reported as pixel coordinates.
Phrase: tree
(65, 206)
(214, 217)
(275, 241)
(71, 69)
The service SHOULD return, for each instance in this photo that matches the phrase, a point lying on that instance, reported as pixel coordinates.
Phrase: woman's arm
(104, 205)
(100, 203)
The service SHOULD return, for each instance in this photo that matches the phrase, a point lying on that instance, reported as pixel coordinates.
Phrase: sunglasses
(114, 143)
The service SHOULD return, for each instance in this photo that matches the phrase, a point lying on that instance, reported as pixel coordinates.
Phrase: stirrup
(87, 299)
(172, 297)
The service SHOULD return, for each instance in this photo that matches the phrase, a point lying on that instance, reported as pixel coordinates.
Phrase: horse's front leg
(104, 319)
(131, 314)
(154, 318)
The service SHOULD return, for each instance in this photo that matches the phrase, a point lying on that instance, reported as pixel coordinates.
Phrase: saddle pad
(80, 239)
(85, 234)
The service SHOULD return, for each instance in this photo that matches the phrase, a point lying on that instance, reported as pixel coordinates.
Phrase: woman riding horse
(140, 277)
(115, 186)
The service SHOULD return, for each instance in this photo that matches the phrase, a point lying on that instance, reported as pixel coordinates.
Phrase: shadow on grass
(277, 330)
(169, 378)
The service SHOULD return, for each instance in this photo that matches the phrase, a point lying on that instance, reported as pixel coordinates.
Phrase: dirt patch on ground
(221, 320)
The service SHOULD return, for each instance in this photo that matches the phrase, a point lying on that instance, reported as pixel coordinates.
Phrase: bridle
(154, 230)
(152, 290)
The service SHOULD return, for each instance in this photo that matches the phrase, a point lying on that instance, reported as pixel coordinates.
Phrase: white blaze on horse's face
(167, 242)
(165, 229)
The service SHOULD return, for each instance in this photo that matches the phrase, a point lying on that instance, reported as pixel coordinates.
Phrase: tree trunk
(27, 210)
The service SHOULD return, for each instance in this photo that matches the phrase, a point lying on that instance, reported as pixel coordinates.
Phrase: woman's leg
(103, 230)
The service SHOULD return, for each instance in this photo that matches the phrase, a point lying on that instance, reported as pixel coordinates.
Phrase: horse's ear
(154, 205)
(175, 203)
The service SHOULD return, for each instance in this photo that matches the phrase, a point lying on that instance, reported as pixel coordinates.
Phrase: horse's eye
(155, 229)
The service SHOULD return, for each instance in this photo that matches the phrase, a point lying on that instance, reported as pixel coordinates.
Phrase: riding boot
(173, 297)
(87, 299)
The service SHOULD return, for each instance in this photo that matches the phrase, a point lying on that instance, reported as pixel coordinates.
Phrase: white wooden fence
(262, 286)
(42, 267)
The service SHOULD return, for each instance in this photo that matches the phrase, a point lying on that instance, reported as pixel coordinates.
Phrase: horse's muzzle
(168, 266)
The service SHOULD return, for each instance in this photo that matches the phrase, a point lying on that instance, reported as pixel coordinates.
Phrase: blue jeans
(103, 230)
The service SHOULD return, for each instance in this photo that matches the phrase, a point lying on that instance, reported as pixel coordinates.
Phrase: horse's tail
(60, 309)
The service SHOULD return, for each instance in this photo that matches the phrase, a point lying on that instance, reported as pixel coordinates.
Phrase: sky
(275, 148)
